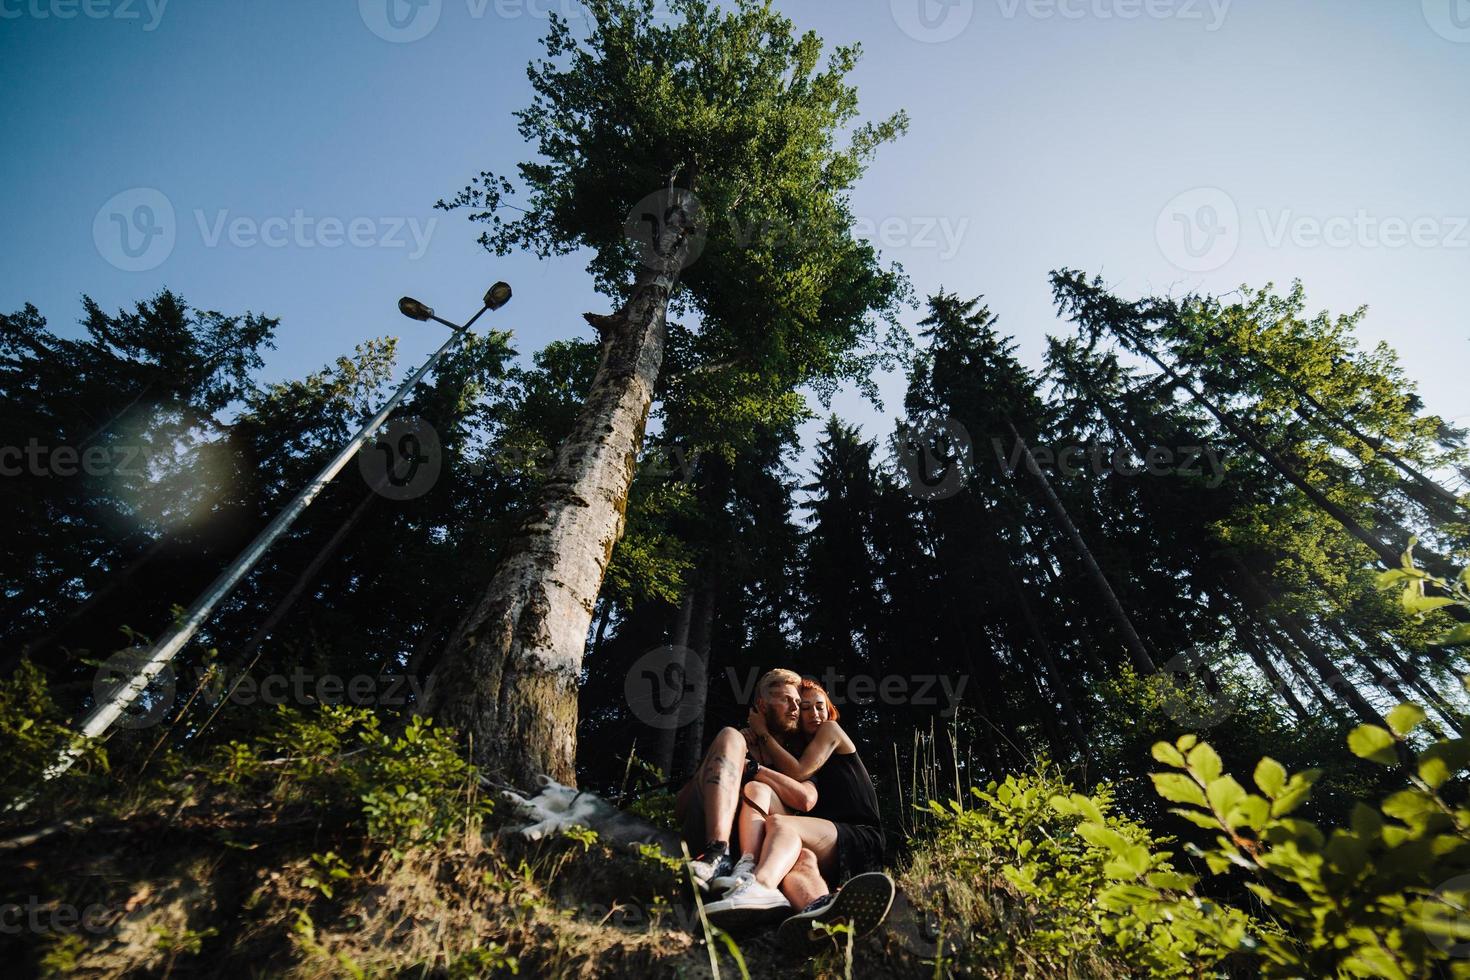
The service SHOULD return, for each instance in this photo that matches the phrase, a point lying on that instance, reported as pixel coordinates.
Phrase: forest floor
(215, 887)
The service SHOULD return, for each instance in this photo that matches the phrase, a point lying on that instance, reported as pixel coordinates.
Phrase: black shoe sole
(741, 918)
(862, 903)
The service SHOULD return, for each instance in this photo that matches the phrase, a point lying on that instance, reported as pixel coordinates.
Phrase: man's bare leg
(718, 781)
(803, 884)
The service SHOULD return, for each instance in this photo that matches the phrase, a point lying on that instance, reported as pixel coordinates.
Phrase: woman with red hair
(842, 834)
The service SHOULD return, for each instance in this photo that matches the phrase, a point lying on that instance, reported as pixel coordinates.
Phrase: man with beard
(707, 806)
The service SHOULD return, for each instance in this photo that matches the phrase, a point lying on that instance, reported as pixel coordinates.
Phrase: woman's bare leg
(752, 820)
(786, 836)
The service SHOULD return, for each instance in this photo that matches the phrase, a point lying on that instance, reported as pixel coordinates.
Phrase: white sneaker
(745, 868)
(711, 864)
(747, 903)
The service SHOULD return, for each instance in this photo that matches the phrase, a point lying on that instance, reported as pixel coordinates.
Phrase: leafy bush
(1064, 854)
(1384, 896)
(411, 789)
(32, 733)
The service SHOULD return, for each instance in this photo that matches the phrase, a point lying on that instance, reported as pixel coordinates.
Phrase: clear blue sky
(1169, 144)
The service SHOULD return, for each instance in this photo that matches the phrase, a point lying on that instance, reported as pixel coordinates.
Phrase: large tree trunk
(508, 679)
(663, 756)
(1334, 678)
(697, 670)
(1139, 654)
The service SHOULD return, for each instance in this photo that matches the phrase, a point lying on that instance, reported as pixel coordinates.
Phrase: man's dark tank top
(845, 792)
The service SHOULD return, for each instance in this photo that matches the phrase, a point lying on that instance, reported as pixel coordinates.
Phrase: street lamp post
(117, 701)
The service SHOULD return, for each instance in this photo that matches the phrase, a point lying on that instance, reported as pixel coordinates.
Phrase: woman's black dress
(845, 796)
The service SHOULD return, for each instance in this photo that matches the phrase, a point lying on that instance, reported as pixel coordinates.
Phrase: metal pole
(104, 714)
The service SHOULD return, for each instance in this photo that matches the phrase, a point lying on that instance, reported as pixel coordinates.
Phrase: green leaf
(1412, 806)
(1433, 771)
(1131, 862)
(1252, 811)
(1443, 760)
(1270, 776)
(1205, 820)
(1171, 880)
(1087, 808)
(1404, 718)
(1205, 763)
(1366, 822)
(1347, 853)
(1178, 788)
(1224, 793)
(1298, 788)
(1415, 601)
(1393, 576)
(1168, 755)
(1104, 837)
(1186, 742)
(1458, 636)
(1372, 743)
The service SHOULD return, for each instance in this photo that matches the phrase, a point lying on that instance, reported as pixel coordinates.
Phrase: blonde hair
(772, 679)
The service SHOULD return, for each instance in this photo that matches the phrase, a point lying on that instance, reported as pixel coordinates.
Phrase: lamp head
(497, 296)
(413, 309)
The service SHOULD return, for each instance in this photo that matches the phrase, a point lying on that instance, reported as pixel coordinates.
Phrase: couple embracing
(782, 811)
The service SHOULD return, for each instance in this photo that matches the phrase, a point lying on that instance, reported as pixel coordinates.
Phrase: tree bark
(1335, 679)
(663, 754)
(508, 679)
(697, 671)
(1136, 650)
(1263, 662)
